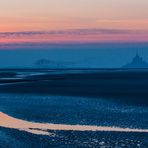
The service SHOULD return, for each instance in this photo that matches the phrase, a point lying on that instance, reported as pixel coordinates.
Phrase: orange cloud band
(74, 36)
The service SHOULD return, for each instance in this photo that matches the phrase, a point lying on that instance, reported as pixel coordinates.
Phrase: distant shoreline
(34, 68)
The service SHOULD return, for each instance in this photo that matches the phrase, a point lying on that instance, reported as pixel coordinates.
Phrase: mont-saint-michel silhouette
(137, 62)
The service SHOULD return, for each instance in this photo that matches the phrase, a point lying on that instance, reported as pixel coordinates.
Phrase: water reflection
(42, 128)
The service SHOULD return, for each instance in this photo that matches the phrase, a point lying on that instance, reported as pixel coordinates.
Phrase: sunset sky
(75, 33)
(73, 21)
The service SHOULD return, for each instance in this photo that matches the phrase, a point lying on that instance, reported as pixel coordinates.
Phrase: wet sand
(93, 108)
(109, 83)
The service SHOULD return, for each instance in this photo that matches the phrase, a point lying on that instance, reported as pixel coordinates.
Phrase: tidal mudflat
(72, 118)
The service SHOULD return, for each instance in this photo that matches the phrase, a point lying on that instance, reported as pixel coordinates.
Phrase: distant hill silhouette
(137, 62)
(45, 63)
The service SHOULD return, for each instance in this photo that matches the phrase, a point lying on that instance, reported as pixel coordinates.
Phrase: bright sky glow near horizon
(68, 21)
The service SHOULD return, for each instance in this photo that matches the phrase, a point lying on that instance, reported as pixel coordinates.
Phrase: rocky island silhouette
(137, 62)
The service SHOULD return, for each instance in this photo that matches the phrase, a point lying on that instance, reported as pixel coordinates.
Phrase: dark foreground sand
(127, 84)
